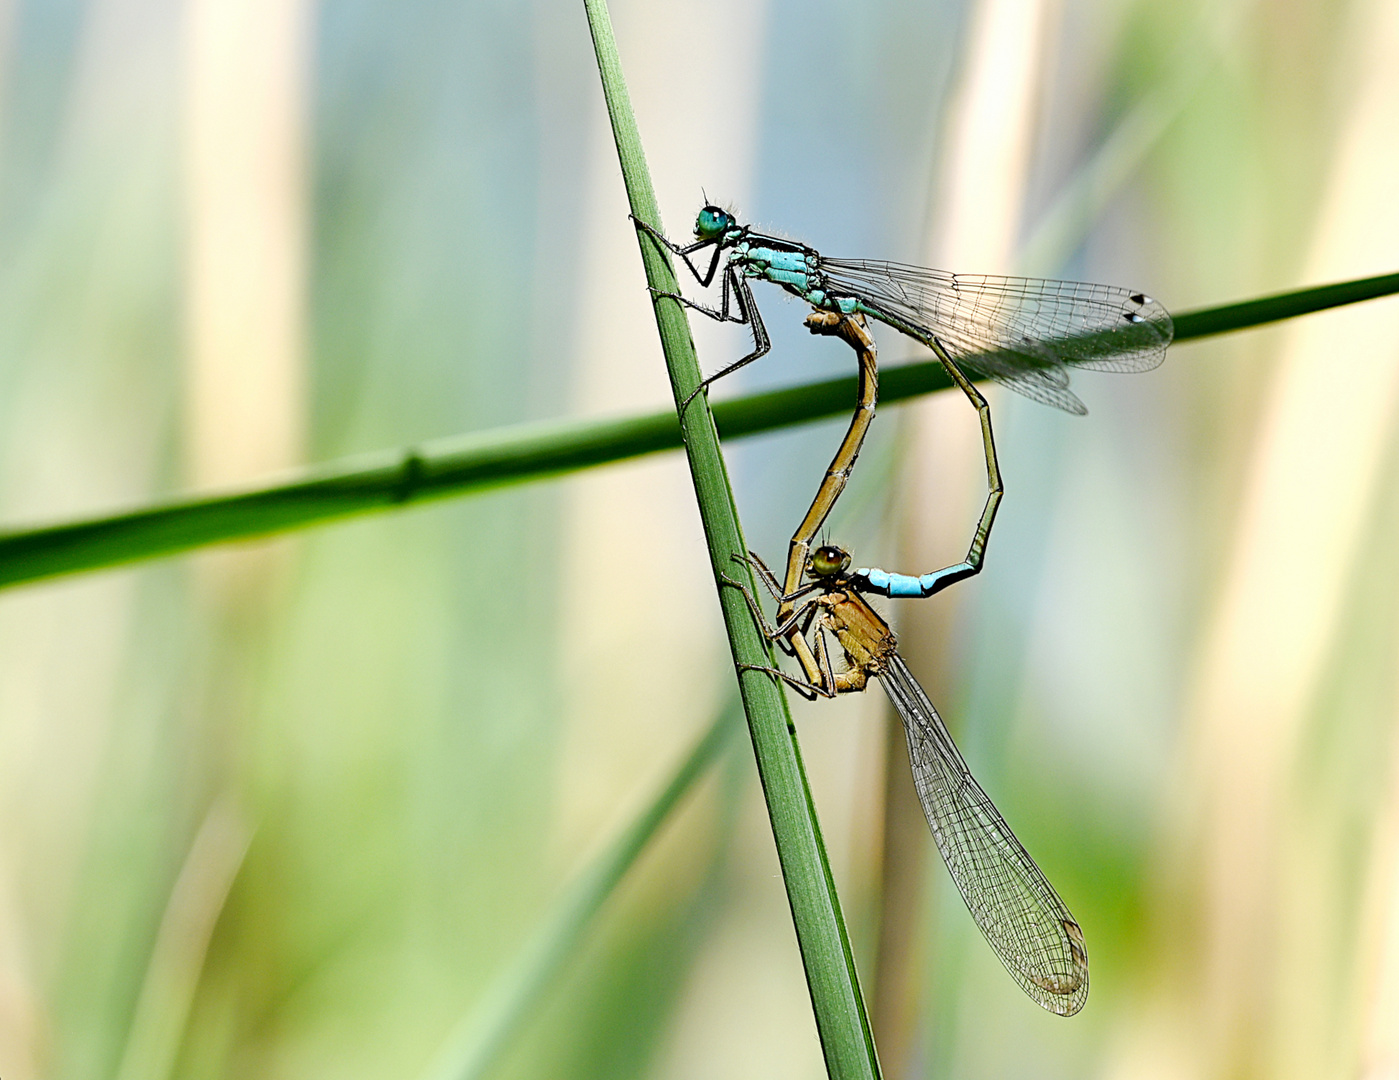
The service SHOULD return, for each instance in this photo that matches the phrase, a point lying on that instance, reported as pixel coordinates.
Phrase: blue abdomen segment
(795, 279)
(792, 270)
(795, 261)
(887, 584)
(797, 270)
(899, 585)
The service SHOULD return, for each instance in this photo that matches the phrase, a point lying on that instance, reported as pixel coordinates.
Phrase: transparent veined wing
(1026, 923)
(1023, 332)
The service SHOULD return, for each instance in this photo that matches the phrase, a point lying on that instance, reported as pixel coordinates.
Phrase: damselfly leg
(734, 291)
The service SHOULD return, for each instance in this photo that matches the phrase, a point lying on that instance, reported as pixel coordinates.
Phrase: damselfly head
(712, 222)
(827, 561)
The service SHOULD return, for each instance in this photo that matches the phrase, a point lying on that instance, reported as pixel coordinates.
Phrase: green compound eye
(712, 222)
(827, 561)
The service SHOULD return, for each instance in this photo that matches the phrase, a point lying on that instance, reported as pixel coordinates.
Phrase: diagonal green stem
(517, 454)
(841, 1022)
(472, 1050)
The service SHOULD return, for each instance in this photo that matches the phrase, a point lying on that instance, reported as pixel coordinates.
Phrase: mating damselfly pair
(1025, 333)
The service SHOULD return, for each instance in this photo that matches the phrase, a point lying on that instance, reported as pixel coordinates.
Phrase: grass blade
(474, 1047)
(519, 454)
(1207, 322)
(841, 1021)
(181, 944)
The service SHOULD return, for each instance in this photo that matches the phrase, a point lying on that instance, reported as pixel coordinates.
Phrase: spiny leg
(821, 662)
(791, 637)
(783, 634)
(769, 580)
(793, 641)
(684, 252)
(772, 633)
(730, 279)
(765, 574)
(810, 691)
(790, 633)
(820, 674)
(747, 313)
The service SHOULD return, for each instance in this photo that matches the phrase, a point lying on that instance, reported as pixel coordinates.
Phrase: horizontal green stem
(1246, 314)
(516, 454)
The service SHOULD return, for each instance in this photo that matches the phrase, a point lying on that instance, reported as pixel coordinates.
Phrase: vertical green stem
(841, 1022)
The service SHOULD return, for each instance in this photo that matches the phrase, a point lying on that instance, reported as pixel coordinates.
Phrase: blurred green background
(291, 809)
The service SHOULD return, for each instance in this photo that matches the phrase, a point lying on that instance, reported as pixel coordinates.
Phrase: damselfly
(1023, 332)
(1026, 923)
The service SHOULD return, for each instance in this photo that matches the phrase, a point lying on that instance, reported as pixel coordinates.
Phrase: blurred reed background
(290, 810)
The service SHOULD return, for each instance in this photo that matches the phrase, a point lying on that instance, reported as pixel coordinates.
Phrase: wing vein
(1023, 332)
(1026, 923)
